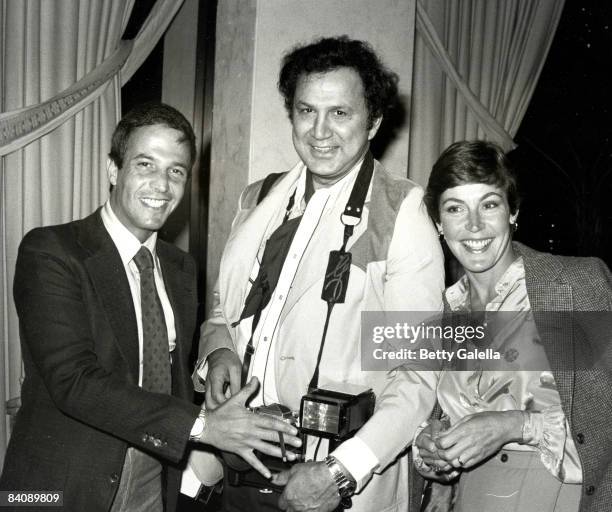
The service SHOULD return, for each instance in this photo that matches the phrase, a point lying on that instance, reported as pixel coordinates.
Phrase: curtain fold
(24, 125)
(20, 127)
(61, 71)
(476, 65)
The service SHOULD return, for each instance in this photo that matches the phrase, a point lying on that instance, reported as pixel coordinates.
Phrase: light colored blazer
(397, 264)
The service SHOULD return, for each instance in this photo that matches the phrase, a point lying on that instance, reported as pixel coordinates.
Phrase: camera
(239, 472)
(324, 413)
(335, 415)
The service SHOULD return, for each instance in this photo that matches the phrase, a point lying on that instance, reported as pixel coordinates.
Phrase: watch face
(198, 428)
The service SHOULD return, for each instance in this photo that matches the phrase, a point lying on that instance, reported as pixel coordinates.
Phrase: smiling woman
(476, 221)
(472, 197)
(509, 439)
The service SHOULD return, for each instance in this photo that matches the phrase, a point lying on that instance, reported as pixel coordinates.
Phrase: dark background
(564, 154)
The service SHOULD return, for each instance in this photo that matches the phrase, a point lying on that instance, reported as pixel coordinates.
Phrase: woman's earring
(440, 233)
(514, 226)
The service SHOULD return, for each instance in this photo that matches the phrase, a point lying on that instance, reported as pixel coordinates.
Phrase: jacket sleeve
(414, 282)
(415, 263)
(55, 302)
(214, 335)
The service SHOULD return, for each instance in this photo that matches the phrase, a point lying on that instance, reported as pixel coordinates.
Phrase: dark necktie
(155, 351)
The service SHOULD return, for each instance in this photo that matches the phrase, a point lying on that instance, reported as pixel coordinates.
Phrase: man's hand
(310, 488)
(477, 437)
(234, 428)
(281, 478)
(431, 465)
(223, 377)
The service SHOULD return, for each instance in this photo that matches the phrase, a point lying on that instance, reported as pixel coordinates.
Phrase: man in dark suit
(107, 315)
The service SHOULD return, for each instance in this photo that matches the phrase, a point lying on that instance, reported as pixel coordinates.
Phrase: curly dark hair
(471, 161)
(330, 53)
(147, 114)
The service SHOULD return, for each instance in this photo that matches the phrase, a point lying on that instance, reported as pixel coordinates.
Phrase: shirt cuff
(198, 376)
(358, 460)
(190, 485)
(201, 371)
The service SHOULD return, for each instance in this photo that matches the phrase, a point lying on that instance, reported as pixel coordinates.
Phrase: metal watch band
(346, 486)
(202, 418)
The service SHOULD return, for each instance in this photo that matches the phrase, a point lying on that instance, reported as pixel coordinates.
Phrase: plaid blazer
(573, 285)
(569, 284)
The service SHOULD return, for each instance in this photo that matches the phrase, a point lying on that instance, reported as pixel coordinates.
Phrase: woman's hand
(428, 463)
(477, 437)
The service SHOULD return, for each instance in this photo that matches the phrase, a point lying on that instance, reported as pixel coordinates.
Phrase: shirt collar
(334, 191)
(127, 244)
(458, 295)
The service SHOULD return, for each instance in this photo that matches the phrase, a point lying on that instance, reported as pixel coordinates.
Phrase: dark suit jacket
(81, 404)
(579, 350)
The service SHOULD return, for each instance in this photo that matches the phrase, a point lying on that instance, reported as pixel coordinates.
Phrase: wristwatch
(198, 427)
(346, 484)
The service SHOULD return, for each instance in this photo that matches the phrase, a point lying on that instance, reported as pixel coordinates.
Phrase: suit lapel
(552, 305)
(110, 282)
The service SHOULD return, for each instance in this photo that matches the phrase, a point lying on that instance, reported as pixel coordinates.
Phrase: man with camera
(308, 252)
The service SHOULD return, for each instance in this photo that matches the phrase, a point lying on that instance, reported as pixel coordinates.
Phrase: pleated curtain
(476, 65)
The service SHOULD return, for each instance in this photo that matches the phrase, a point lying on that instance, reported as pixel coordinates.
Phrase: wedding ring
(461, 463)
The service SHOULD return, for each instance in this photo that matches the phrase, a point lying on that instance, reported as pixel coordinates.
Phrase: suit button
(580, 438)
(114, 478)
(590, 490)
(504, 457)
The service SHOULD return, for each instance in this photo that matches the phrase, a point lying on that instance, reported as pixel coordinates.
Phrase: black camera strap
(338, 270)
(272, 261)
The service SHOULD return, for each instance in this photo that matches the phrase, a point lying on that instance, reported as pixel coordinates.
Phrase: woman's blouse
(475, 390)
